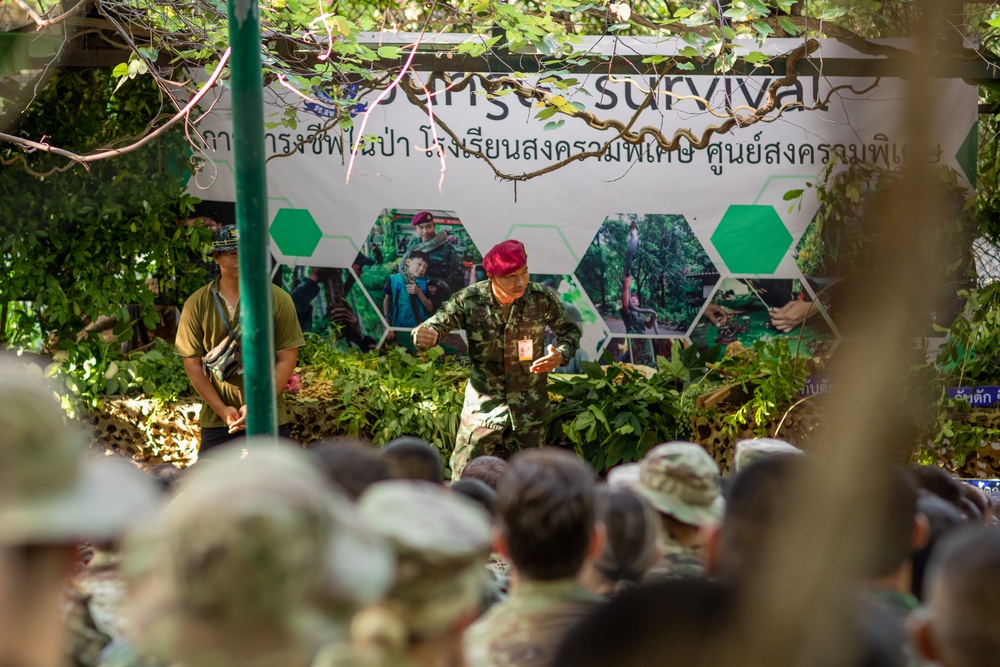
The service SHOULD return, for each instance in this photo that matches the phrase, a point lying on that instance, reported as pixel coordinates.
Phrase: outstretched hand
(549, 362)
(424, 338)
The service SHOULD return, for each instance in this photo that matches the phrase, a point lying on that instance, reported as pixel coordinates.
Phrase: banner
(645, 245)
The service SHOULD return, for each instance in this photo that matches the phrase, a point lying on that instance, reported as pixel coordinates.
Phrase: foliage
(987, 199)
(615, 413)
(381, 397)
(769, 375)
(83, 243)
(319, 50)
(93, 368)
(969, 357)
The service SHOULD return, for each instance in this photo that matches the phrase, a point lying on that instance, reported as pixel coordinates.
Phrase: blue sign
(817, 384)
(327, 107)
(990, 487)
(977, 396)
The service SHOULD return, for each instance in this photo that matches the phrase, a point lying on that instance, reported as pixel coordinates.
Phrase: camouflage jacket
(501, 388)
(525, 629)
(676, 561)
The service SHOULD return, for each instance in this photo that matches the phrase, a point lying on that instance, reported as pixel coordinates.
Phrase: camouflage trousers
(474, 439)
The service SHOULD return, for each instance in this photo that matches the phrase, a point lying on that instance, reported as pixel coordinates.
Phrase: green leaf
(792, 194)
(786, 24)
(554, 125)
(685, 66)
(546, 113)
(388, 52)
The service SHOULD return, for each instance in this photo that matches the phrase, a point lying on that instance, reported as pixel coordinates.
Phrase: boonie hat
(52, 490)
(681, 479)
(225, 238)
(751, 449)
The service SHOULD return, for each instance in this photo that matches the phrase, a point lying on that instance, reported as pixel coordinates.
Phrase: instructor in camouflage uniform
(504, 317)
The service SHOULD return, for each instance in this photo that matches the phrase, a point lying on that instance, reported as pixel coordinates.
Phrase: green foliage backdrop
(82, 243)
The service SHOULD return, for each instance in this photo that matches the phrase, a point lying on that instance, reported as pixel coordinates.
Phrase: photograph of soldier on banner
(647, 274)
(424, 256)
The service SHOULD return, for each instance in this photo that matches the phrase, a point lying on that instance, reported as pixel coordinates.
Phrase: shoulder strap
(222, 314)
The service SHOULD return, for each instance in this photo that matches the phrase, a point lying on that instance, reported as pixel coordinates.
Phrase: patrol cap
(505, 258)
(681, 479)
(225, 238)
(751, 449)
(441, 541)
(52, 491)
(248, 544)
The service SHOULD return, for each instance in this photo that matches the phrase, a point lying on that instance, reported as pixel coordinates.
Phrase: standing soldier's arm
(451, 316)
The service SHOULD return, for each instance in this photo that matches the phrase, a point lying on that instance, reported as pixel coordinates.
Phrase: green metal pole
(251, 217)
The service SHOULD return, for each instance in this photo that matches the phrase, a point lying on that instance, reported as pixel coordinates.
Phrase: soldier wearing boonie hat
(681, 481)
(504, 317)
(441, 540)
(751, 449)
(53, 495)
(243, 565)
(211, 318)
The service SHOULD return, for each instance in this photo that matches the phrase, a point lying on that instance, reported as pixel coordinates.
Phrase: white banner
(718, 213)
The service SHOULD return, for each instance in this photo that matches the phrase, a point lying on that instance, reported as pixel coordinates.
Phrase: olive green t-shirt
(201, 328)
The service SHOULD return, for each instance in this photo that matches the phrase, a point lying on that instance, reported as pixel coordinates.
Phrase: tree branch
(44, 22)
(105, 153)
(763, 114)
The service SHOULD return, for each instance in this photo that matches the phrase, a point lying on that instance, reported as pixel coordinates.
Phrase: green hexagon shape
(295, 232)
(751, 239)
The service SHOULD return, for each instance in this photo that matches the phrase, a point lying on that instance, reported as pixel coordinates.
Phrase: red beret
(421, 218)
(505, 258)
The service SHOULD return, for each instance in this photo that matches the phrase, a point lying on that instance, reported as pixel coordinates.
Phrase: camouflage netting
(801, 422)
(148, 432)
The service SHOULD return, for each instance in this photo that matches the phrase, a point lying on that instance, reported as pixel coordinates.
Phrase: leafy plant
(769, 375)
(81, 243)
(381, 397)
(93, 369)
(616, 413)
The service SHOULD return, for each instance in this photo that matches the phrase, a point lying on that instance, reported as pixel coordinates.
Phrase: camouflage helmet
(752, 449)
(225, 238)
(52, 491)
(248, 544)
(441, 541)
(681, 479)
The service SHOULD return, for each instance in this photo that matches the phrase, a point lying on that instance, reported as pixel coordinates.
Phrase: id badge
(525, 350)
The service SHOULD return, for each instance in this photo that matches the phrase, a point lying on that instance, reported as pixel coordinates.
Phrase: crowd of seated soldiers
(269, 553)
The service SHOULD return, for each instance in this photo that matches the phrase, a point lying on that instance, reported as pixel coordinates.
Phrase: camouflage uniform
(676, 561)
(506, 405)
(525, 629)
(681, 480)
(54, 495)
(248, 562)
(441, 540)
(92, 608)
